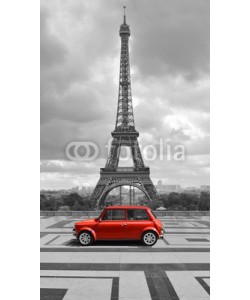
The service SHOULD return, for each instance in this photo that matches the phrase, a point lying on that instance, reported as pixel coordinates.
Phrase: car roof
(127, 207)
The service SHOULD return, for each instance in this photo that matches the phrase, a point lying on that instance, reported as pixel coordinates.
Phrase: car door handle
(124, 224)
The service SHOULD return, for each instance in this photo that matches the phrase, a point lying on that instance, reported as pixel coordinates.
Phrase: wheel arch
(89, 230)
(150, 229)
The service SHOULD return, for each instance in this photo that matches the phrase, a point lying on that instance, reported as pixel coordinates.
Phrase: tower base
(111, 179)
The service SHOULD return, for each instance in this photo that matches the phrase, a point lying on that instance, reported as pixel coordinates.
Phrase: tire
(85, 238)
(149, 238)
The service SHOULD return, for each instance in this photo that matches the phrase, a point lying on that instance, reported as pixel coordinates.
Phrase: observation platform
(175, 268)
(129, 170)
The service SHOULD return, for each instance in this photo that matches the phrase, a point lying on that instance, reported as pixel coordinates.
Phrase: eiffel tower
(124, 134)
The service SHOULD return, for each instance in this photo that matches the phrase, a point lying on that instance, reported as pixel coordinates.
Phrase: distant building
(83, 191)
(191, 188)
(160, 183)
(74, 189)
(205, 188)
(167, 188)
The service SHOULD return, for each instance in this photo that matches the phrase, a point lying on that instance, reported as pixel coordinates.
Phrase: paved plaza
(176, 267)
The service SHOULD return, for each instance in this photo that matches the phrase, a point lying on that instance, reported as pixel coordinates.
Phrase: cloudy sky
(169, 58)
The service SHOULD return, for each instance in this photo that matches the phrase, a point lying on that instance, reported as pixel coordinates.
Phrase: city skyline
(79, 80)
(92, 187)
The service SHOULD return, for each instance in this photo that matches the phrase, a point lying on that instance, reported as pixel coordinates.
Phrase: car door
(137, 220)
(112, 226)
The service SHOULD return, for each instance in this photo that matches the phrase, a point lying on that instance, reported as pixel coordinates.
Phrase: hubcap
(149, 238)
(85, 238)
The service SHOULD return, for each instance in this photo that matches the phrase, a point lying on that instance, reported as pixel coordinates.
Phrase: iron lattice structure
(124, 134)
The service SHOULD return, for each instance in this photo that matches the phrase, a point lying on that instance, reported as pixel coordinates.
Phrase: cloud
(172, 38)
(52, 50)
(169, 57)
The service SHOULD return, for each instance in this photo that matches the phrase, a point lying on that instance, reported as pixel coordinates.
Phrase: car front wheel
(85, 238)
(149, 238)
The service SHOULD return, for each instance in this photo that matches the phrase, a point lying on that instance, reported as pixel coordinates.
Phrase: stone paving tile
(186, 285)
(81, 288)
(129, 283)
(175, 268)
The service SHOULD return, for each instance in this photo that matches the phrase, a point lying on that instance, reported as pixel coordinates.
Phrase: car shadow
(74, 243)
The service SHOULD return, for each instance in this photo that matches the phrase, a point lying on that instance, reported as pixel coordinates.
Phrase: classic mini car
(120, 223)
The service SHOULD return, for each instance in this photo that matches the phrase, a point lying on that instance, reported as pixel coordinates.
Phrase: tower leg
(151, 190)
(133, 195)
(120, 194)
(96, 195)
(130, 196)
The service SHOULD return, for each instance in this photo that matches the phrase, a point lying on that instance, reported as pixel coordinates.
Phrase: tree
(186, 201)
(155, 204)
(70, 199)
(174, 199)
(204, 201)
(47, 204)
(189, 201)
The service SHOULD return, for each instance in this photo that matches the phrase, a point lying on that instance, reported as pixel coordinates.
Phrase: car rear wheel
(85, 238)
(149, 238)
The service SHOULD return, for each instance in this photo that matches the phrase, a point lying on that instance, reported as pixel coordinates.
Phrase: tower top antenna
(124, 17)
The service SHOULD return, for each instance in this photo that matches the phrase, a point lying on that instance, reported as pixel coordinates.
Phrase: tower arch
(112, 186)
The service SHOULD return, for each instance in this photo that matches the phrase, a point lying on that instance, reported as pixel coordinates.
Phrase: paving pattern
(175, 268)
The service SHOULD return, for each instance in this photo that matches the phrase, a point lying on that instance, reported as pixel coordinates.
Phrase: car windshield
(100, 213)
(153, 214)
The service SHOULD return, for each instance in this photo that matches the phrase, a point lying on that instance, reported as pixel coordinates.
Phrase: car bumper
(161, 234)
(74, 232)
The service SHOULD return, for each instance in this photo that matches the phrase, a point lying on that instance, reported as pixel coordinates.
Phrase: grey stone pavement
(176, 267)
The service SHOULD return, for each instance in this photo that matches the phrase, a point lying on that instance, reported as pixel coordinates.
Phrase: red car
(120, 223)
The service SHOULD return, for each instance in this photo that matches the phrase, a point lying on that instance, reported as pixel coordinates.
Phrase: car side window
(137, 214)
(114, 214)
